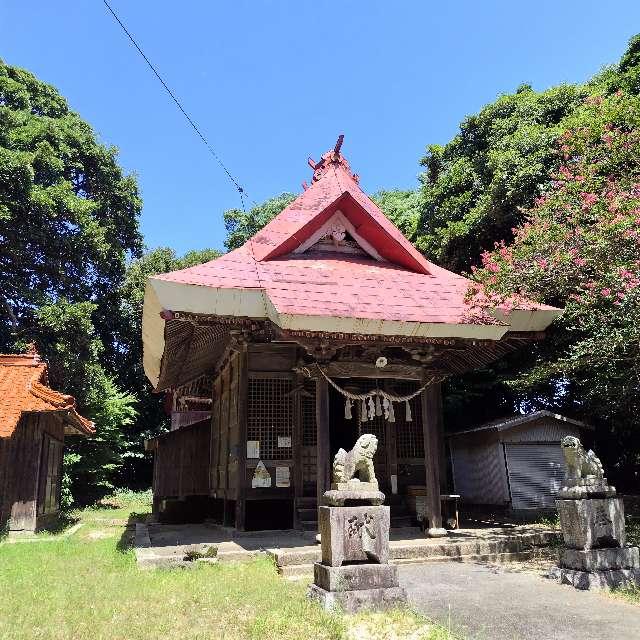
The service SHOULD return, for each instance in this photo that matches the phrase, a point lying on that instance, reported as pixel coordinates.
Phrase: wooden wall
(225, 424)
(20, 461)
(181, 465)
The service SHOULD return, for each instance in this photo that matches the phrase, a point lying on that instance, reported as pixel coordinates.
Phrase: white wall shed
(515, 461)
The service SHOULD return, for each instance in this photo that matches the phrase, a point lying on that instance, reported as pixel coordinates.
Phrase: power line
(241, 191)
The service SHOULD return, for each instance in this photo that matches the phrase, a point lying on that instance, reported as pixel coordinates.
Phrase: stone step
(297, 571)
(417, 551)
(297, 556)
(309, 503)
(499, 558)
(305, 571)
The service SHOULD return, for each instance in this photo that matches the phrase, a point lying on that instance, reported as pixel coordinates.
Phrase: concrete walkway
(479, 602)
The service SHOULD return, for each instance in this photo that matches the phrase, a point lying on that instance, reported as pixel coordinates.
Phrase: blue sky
(271, 83)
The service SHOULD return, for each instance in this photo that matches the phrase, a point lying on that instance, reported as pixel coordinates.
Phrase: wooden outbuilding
(327, 324)
(33, 422)
(515, 462)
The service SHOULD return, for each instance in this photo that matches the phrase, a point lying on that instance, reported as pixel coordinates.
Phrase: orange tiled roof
(23, 389)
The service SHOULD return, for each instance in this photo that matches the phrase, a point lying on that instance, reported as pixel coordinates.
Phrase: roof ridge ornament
(329, 159)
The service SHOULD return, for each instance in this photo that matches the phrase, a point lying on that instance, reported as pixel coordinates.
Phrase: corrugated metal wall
(535, 464)
(535, 472)
(543, 430)
(479, 473)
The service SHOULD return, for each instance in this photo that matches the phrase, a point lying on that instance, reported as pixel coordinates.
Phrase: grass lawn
(87, 586)
(630, 594)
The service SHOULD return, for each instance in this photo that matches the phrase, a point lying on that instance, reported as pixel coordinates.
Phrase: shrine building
(327, 324)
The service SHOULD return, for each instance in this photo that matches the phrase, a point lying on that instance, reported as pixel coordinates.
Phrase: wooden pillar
(431, 424)
(322, 427)
(243, 398)
(298, 479)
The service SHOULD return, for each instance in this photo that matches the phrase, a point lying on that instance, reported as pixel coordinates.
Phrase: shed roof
(23, 389)
(509, 422)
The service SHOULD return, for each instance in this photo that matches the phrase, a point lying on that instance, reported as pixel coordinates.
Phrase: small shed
(33, 422)
(515, 461)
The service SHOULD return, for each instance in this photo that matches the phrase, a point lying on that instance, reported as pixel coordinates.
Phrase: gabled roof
(335, 188)
(390, 289)
(23, 389)
(509, 422)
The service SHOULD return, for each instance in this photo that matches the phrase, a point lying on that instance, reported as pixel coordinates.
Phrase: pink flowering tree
(579, 248)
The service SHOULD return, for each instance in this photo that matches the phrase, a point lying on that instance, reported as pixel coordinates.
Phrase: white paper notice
(284, 442)
(261, 476)
(394, 484)
(253, 449)
(282, 477)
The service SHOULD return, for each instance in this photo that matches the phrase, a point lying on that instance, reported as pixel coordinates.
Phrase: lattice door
(270, 416)
(409, 435)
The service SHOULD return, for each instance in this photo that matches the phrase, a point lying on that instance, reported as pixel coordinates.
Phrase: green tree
(68, 225)
(242, 225)
(402, 208)
(151, 419)
(579, 248)
(474, 187)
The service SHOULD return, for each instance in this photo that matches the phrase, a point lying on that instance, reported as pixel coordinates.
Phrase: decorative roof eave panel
(227, 304)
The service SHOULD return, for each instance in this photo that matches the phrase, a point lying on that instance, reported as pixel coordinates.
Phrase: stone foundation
(600, 559)
(595, 556)
(354, 601)
(601, 579)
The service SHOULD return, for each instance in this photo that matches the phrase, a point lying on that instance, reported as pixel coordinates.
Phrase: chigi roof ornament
(329, 159)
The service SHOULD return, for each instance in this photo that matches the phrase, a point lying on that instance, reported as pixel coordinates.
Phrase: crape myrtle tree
(579, 248)
(68, 225)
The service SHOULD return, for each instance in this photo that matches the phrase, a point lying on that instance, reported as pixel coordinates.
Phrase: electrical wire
(195, 127)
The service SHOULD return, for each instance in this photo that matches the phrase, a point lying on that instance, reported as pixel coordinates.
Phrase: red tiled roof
(406, 287)
(23, 389)
(340, 285)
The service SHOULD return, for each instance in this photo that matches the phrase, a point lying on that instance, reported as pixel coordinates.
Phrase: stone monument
(355, 572)
(592, 522)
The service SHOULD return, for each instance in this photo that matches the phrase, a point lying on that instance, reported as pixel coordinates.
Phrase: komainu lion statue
(357, 461)
(580, 463)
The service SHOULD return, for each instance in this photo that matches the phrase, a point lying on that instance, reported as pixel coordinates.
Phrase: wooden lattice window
(409, 436)
(270, 416)
(308, 414)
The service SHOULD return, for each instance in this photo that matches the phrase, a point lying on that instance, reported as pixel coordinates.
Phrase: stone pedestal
(595, 555)
(354, 534)
(355, 572)
(592, 524)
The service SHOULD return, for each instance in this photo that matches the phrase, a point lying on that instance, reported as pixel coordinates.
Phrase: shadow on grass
(127, 539)
(63, 522)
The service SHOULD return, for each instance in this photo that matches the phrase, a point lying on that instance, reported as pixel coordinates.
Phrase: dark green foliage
(241, 225)
(402, 208)
(474, 187)
(151, 418)
(68, 225)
